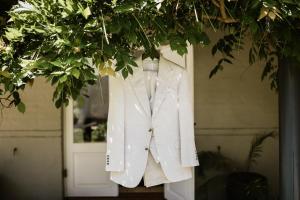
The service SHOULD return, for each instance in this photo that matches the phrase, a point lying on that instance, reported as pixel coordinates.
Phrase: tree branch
(222, 9)
(223, 18)
(227, 21)
(6, 99)
(215, 3)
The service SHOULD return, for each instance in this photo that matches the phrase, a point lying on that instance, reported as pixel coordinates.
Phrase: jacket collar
(139, 86)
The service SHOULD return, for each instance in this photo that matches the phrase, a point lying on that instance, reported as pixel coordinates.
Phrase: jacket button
(146, 149)
(150, 130)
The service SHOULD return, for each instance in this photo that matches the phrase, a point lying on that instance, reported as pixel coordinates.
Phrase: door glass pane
(90, 113)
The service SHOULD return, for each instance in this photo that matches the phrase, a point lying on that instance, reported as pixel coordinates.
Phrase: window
(90, 113)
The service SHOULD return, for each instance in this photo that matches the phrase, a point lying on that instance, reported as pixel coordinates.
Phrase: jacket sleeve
(186, 123)
(115, 126)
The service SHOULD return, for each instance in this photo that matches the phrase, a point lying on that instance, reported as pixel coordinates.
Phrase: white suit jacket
(130, 123)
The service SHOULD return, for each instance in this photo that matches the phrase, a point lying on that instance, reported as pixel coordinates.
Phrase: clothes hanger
(160, 50)
(153, 54)
(150, 67)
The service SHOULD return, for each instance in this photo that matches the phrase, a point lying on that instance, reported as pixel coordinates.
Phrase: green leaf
(114, 27)
(125, 73)
(58, 103)
(6, 74)
(86, 12)
(119, 67)
(75, 73)
(203, 39)
(215, 70)
(57, 63)
(63, 78)
(178, 44)
(16, 96)
(181, 50)
(132, 63)
(130, 70)
(124, 8)
(227, 60)
(62, 3)
(13, 34)
(214, 50)
(57, 73)
(21, 107)
(69, 5)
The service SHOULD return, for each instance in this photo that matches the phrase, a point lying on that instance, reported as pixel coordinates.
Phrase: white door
(184, 190)
(85, 146)
(85, 155)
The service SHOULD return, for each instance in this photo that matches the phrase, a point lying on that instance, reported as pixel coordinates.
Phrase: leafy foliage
(71, 41)
(256, 148)
(216, 160)
(273, 26)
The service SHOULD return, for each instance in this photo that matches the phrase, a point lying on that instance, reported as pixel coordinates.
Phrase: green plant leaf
(51, 38)
(215, 70)
(130, 70)
(6, 74)
(86, 12)
(125, 73)
(63, 78)
(75, 73)
(124, 8)
(13, 34)
(21, 107)
(256, 148)
(69, 5)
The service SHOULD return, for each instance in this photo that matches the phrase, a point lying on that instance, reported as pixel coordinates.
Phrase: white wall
(34, 171)
(232, 107)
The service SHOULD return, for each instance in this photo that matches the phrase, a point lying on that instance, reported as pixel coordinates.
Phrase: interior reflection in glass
(90, 113)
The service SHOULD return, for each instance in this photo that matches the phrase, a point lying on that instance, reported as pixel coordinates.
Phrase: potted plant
(225, 179)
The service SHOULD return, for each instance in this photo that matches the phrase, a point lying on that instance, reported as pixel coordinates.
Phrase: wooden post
(289, 128)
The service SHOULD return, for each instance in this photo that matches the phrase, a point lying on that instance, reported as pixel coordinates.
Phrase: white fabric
(131, 125)
(153, 172)
(150, 68)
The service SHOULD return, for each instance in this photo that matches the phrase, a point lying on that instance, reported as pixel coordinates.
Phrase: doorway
(86, 121)
(85, 146)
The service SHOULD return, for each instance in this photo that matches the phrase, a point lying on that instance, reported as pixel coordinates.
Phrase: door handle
(15, 150)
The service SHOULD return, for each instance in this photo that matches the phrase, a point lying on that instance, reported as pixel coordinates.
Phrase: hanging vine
(71, 42)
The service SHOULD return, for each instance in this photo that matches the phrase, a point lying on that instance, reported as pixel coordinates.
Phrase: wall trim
(31, 133)
(29, 130)
(234, 131)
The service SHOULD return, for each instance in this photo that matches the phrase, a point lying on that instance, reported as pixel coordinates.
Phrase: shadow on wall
(6, 187)
(222, 178)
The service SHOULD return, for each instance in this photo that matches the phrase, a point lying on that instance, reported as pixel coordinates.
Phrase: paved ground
(126, 196)
(138, 193)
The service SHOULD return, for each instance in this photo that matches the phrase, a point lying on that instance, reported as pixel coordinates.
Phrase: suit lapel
(138, 84)
(162, 84)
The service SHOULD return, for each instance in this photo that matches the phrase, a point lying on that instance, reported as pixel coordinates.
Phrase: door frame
(67, 115)
(189, 63)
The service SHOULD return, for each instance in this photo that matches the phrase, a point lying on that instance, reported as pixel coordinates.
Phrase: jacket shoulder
(177, 69)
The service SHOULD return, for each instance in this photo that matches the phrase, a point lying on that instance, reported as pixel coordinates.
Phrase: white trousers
(154, 174)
